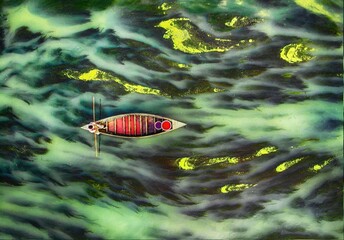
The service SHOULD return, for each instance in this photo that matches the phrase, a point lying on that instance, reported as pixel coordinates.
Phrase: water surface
(259, 84)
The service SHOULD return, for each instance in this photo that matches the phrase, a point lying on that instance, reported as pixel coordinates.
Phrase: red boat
(132, 125)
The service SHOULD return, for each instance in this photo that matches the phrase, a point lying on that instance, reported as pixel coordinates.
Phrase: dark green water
(259, 84)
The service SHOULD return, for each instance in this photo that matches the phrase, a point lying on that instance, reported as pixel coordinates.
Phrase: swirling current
(258, 83)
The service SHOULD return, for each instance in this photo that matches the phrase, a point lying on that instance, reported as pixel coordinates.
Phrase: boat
(131, 125)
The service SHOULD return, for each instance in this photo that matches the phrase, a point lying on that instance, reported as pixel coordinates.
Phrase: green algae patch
(225, 22)
(236, 187)
(164, 7)
(187, 38)
(265, 151)
(191, 163)
(240, 21)
(318, 167)
(287, 75)
(98, 75)
(296, 93)
(296, 53)
(308, 141)
(285, 165)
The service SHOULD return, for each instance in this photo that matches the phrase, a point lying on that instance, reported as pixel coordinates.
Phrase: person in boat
(94, 127)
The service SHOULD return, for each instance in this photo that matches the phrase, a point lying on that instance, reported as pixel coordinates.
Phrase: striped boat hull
(136, 125)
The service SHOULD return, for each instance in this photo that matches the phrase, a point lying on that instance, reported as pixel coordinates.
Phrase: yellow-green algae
(186, 38)
(181, 65)
(191, 163)
(224, 21)
(319, 8)
(284, 166)
(185, 163)
(232, 22)
(308, 141)
(199, 89)
(172, 64)
(265, 151)
(97, 185)
(318, 167)
(287, 75)
(96, 189)
(241, 21)
(296, 93)
(164, 7)
(218, 90)
(296, 53)
(236, 187)
(98, 75)
(232, 160)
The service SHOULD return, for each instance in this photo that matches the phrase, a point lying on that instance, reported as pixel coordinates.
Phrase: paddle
(95, 132)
